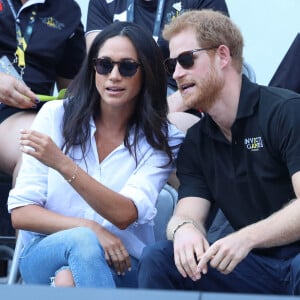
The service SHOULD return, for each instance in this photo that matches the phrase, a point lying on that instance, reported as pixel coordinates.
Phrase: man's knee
(295, 275)
(155, 264)
(156, 252)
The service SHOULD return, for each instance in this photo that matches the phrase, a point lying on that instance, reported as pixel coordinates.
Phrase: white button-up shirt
(40, 185)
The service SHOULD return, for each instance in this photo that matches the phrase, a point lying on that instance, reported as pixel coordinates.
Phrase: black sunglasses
(185, 59)
(126, 67)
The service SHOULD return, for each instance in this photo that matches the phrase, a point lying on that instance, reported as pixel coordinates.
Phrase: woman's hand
(115, 252)
(42, 147)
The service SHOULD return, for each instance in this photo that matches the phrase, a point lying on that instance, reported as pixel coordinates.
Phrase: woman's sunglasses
(185, 59)
(126, 67)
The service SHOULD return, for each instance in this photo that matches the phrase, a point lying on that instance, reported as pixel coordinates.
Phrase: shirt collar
(248, 100)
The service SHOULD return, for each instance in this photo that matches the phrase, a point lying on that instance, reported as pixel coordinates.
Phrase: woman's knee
(63, 278)
(81, 235)
(84, 241)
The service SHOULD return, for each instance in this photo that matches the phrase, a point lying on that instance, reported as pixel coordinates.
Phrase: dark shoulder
(274, 98)
(66, 7)
(196, 128)
(219, 5)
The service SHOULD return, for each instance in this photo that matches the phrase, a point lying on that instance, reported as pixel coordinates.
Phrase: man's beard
(208, 91)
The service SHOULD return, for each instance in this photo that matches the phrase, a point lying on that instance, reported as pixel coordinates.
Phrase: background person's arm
(16, 93)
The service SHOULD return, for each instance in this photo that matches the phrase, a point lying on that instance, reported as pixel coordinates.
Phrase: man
(244, 157)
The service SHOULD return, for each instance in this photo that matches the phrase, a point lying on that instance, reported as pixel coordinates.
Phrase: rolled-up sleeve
(151, 174)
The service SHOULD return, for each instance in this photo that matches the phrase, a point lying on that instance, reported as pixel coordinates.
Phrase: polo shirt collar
(249, 98)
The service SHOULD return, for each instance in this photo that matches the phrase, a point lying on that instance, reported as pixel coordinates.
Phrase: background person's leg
(10, 153)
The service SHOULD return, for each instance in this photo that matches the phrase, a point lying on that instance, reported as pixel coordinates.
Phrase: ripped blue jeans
(78, 249)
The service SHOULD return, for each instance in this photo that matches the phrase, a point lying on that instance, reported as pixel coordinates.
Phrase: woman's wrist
(69, 170)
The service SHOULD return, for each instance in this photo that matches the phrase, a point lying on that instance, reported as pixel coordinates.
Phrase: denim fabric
(79, 249)
(255, 274)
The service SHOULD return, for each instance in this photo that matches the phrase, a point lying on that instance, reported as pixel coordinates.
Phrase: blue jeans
(255, 274)
(78, 249)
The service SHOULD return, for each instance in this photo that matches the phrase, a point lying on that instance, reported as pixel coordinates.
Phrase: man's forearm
(281, 228)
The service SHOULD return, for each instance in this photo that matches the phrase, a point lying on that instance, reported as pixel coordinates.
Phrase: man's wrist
(180, 225)
(177, 222)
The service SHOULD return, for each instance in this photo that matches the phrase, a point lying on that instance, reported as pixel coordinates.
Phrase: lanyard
(158, 18)
(22, 40)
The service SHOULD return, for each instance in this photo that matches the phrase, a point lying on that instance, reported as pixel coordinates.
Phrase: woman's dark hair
(151, 108)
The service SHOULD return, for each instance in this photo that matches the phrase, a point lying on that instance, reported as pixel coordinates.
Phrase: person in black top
(44, 45)
(244, 157)
(287, 74)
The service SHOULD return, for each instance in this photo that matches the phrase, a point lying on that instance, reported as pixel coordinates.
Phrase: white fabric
(37, 184)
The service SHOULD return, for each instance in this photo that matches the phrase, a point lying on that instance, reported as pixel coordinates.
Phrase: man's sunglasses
(126, 67)
(185, 59)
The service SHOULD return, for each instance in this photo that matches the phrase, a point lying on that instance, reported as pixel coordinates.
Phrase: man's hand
(189, 246)
(16, 93)
(225, 254)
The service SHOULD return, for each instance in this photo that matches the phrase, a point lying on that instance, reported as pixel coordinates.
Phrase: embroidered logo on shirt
(254, 143)
(53, 23)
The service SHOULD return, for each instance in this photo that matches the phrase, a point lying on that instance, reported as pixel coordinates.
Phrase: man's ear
(223, 53)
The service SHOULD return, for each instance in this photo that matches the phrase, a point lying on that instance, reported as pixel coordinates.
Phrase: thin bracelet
(180, 225)
(73, 177)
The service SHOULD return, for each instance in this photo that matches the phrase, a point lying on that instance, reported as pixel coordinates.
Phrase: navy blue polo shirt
(56, 46)
(249, 178)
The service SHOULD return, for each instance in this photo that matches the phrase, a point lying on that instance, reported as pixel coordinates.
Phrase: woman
(87, 210)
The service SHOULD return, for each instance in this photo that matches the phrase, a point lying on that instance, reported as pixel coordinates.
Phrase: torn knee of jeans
(52, 278)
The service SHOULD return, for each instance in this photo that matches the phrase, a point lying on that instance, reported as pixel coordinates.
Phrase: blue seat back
(165, 205)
